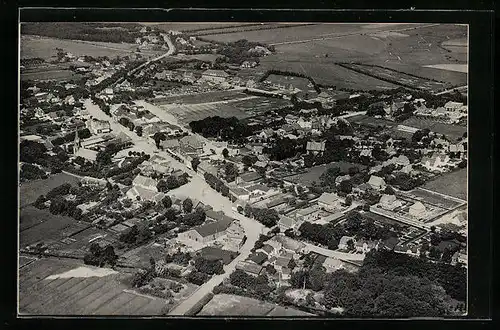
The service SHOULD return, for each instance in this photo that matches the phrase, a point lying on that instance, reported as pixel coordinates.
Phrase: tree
(187, 205)
(194, 163)
(231, 172)
(138, 130)
(170, 214)
(167, 202)
(162, 186)
(292, 264)
(345, 186)
(389, 190)
(225, 152)
(353, 170)
(348, 200)
(172, 182)
(329, 176)
(209, 265)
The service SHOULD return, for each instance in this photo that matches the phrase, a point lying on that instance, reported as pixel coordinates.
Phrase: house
(401, 160)
(258, 190)
(239, 193)
(141, 193)
(145, 182)
(365, 246)
(451, 106)
(304, 123)
(248, 177)
(329, 201)
(217, 216)
(172, 144)
(377, 183)
(344, 245)
(281, 242)
(91, 181)
(208, 232)
(215, 76)
(268, 250)
(308, 214)
(362, 188)
(417, 210)
(87, 154)
(191, 142)
(365, 153)
(390, 243)
(249, 267)
(286, 223)
(97, 126)
(258, 257)
(435, 162)
(389, 202)
(332, 264)
(315, 147)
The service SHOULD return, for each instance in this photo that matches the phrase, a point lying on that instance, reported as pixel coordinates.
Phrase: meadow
(105, 295)
(30, 191)
(452, 184)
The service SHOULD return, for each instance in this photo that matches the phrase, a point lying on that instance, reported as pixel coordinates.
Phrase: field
(399, 77)
(451, 131)
(207, 97)
(315, 49)
(139, 257)
(435, 199)
(231, 305)
(450, 67)
(60, 75)
(453, 184)
(34, 46)
(187, 26)
(94, 295)
(240, 108)
(29, 191)
(313, 174)
(297, 82)
(77, 244)
(42, 226)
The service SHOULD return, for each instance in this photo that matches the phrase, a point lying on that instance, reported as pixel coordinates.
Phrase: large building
(97, 126)
(208, 232)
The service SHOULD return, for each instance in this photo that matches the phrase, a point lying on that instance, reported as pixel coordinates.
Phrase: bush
(197, 278)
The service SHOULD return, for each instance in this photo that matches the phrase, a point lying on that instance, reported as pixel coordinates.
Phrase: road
(171, 51)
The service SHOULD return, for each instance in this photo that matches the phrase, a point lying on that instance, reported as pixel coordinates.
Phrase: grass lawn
(30, 191)
(313, 174)
(453, 184)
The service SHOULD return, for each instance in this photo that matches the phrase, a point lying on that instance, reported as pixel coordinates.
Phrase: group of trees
(171, 182)
(238, 51)
(31, 172)
(31, 152)
(257, 287)
(405, 181)
(97, 256)
(83, 133)
(327, 235)
(312, 278)
(284, 148)
(228, 129)
(267, 217)
(136, 235)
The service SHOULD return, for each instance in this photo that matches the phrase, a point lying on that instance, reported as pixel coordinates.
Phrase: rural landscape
(243, 169)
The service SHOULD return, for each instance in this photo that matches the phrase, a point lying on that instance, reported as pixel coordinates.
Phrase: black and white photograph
(243, 169)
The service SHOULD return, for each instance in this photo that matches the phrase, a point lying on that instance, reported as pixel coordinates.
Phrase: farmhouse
(97, 126)
(215, 76)
(191, 143)
(145, 182)
(332, 264)
(329, 201)
(389, 202)
(249, 267)
(376, 182)
(417, 210)
(208, 232)
(248, 177)
(286, 223)
(308, 214)
(144, 194)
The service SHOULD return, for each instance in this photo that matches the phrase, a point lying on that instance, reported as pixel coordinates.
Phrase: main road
(171, 51)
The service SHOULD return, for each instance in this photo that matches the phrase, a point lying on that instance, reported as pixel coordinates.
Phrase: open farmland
(79, 294)
(59, 75)
(240, 108)
(232, 305)
(42, 226)
(193, 27)
(451, 131)
(34, 46)
(296, 82)
(207, 97)
(452, 184)
(398, 78)
(139, 257)
(29, 191)
(313, 174)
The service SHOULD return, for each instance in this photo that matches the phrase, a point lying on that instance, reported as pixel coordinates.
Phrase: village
(207, 172)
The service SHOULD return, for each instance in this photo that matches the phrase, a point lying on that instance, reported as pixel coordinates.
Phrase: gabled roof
(387, 199)
(258, 257)
(214, 227)
(258, 186)
(249, 267)
(315, 146)
(376, 181)
(250, 176)
(328, 198)
(144, 181)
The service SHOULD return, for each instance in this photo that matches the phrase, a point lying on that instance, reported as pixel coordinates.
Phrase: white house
(377, 183)
(329, 201)
(389, 202)
(417, 210)
(343, 245)
(145, 182)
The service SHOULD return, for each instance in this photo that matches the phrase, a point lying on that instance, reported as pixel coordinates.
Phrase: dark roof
(249, 267)
(268, 248)
(258, 257)
(391, 242)
(217, 253)
(214, 227)
(218, 216)
(250, 176)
